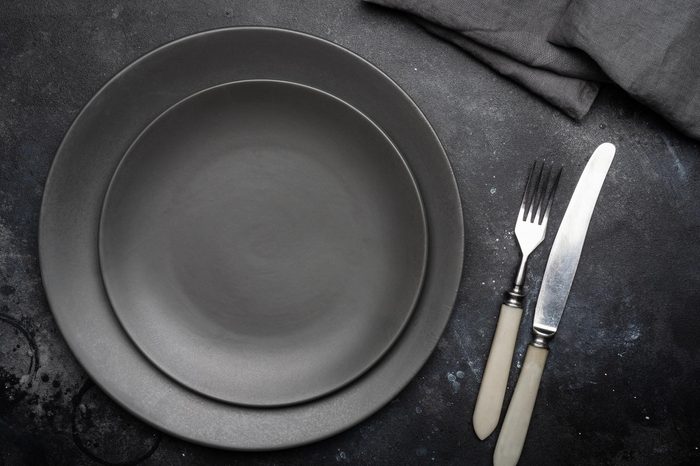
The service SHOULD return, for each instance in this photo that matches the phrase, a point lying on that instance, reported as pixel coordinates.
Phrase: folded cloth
(562, 49)
(650, 48)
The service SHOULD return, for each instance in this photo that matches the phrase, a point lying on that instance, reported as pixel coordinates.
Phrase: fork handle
(493, 384)
(512, 437)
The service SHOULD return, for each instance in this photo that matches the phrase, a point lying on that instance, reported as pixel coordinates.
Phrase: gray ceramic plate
(263, 243)
(83, 168)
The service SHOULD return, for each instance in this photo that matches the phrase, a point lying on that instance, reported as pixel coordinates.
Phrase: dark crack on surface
(15, 380)
(108, 434)
(30, 340)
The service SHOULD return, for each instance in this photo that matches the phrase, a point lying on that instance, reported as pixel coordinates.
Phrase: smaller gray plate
(263, 243)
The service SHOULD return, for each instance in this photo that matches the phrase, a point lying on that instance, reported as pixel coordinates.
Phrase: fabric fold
(649, 48)
(562, 50)
(573, 96)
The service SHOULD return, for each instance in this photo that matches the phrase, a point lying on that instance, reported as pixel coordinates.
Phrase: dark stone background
(621, 386)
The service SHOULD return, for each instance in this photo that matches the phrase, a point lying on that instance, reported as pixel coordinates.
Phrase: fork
(530, 229)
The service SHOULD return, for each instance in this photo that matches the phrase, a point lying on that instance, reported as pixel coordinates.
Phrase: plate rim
(457, 238)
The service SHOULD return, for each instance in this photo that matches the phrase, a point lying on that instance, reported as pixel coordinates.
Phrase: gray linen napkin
(562, 49)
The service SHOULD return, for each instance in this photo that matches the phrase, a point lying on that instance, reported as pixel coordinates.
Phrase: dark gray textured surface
(620, 385)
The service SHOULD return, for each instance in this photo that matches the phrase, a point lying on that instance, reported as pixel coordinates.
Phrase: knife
(556, 283)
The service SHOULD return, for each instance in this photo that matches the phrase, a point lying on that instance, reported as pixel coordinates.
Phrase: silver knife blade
(566, 249)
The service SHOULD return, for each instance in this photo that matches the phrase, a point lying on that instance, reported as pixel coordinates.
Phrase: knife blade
(554, 292)
(566, 249)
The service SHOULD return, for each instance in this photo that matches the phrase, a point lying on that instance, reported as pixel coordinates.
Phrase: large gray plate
(263, 243)
(84, 165)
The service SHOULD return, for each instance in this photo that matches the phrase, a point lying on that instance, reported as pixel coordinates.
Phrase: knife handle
(493, 384)
(512, 437)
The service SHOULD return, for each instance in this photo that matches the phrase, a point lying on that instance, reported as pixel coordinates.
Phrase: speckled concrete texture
(621, 382)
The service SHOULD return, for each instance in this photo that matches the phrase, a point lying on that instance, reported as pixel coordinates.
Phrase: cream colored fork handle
(493, 384)
(512, 437)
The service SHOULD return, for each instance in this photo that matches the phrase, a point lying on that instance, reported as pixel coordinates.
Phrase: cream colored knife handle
(489, 401)
(512, 437)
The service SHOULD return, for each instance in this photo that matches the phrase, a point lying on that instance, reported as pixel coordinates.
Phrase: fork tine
(541, 195)
(533, 198)
(524, 203)
(550, 198)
